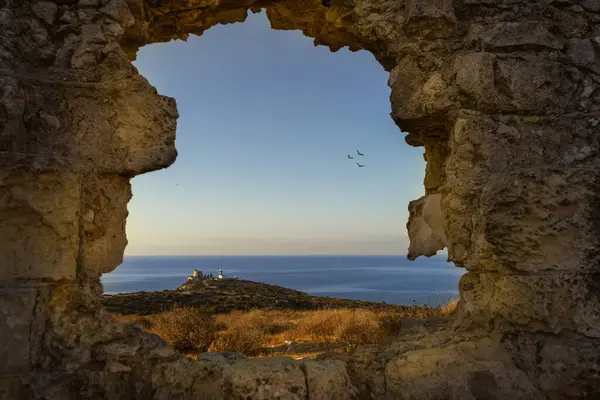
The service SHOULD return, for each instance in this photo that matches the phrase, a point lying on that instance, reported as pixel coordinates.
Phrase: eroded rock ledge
(503, 96)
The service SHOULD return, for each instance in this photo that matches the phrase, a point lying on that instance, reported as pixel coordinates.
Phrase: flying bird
(350, 157)
(360, 165)
(359, 153)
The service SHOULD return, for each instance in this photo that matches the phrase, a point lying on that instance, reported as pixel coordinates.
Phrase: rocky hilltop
(221, 296)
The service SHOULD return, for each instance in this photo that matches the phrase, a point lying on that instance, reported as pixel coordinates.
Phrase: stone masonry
(504, 96)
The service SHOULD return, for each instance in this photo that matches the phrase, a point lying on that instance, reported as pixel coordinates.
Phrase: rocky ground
(223, 296)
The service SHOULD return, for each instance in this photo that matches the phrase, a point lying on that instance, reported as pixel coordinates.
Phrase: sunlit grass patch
(258, 332)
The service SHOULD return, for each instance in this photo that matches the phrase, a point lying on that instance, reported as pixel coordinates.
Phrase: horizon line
(264, 255)
(277, 255)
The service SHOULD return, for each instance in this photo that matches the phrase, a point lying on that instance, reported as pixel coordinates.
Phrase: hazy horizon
(314, 247)
(442, 253)
(266, 123)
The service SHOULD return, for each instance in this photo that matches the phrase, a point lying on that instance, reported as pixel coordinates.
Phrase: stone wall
(502, 94)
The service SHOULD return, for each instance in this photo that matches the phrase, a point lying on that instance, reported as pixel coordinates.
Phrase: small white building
(196, 276)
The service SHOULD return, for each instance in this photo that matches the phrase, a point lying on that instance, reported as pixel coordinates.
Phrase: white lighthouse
(220, 276)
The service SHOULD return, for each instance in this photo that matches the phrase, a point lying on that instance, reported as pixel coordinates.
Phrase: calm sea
(392, 279)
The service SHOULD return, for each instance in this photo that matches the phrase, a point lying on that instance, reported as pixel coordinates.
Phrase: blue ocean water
(392, 279)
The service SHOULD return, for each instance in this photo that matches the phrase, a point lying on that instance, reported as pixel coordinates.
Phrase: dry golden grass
(249, 341)
(449, 307)
(187, 329)
(360, 327)
(252, 332)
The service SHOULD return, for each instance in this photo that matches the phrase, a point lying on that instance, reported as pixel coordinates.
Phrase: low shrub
(187, 329)
(359, 327)
(320, 325)
(247, 340)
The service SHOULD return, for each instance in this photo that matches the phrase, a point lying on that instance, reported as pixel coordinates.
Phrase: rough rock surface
(504, 97)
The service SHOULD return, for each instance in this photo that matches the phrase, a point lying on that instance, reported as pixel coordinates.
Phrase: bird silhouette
(360, 165)
(350, 157)
(359, 153)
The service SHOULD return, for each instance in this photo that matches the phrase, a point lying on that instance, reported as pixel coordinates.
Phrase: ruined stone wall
(502, 94)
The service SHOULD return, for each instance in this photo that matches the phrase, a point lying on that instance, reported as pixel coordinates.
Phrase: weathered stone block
(590, 5)
(499, 175)
(149, 145)
(569, 364)
(267, 378)
(436, 153)
(187, 378)
(17, 307)
(457, 373)
(535, 85)
(39, 228)
(104, 211)
(520, 34)
(419, 99)
(583, 53)
(13, 388)
(327, 380)
(426, 226)
(430, 17)
(119, 11)
(45, 10)
(404, 81)
(12, 109)
(466, 171)
(89, 135)
(556, 216)
(551, 302)
(475, 76)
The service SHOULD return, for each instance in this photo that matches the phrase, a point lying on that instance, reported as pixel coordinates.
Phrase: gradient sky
(267, 120)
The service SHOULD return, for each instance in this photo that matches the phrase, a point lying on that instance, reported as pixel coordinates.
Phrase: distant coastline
(227, 295)
(390, 279)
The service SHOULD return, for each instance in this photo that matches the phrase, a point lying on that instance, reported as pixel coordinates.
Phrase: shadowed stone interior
(503, 95)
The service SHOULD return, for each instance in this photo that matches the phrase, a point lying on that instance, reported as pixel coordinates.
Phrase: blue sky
(266, 123)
